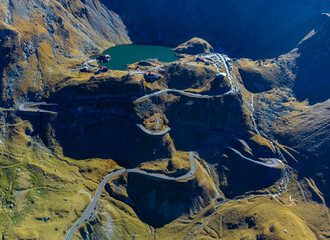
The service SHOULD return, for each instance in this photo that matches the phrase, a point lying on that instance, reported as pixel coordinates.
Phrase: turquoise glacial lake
(131, 53)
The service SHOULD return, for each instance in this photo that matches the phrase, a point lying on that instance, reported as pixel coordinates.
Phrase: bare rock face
(161, 202)
(194, 46)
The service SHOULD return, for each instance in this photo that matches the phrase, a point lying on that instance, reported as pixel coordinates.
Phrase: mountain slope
(255, 28)
(39, 40)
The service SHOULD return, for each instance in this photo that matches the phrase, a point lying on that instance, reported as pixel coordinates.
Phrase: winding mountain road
(182, 92)
(26, 107)
(218, 59)
(269, 162)
(90, 212)
(148, 132)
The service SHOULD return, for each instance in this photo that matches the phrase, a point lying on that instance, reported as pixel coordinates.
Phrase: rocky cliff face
(161, 202)
(40, 39)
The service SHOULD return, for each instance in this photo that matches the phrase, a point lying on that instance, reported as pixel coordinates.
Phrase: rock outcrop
(194, 46)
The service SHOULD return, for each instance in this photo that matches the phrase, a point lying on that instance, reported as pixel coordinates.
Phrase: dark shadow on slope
(189, 138)
(319, 172)
(83, 137)
(239, 176)
(313, 69)
(254, 28)
(254, 82)
(158, 203)
(8, 54)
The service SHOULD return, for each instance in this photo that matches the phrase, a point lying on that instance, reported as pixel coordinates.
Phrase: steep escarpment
(120, 85)
(253, 28)
(200, 123)
(161, 202)
(96, 136)
(102, 117)
(235, 181)
(41, 40)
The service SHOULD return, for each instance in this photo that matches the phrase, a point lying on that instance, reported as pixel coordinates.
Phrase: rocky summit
(222, 134)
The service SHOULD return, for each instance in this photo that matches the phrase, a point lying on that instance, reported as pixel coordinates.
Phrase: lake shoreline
(125, 54)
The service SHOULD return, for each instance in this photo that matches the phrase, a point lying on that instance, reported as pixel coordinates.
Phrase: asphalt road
(269, 162)
(218, 59)
(91, 210)
(148, 132)
(26, 107)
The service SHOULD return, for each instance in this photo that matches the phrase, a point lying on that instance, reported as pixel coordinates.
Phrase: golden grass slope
(52, 37)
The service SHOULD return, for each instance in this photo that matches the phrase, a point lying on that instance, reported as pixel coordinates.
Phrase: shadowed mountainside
(305, 69)
(256, 29)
